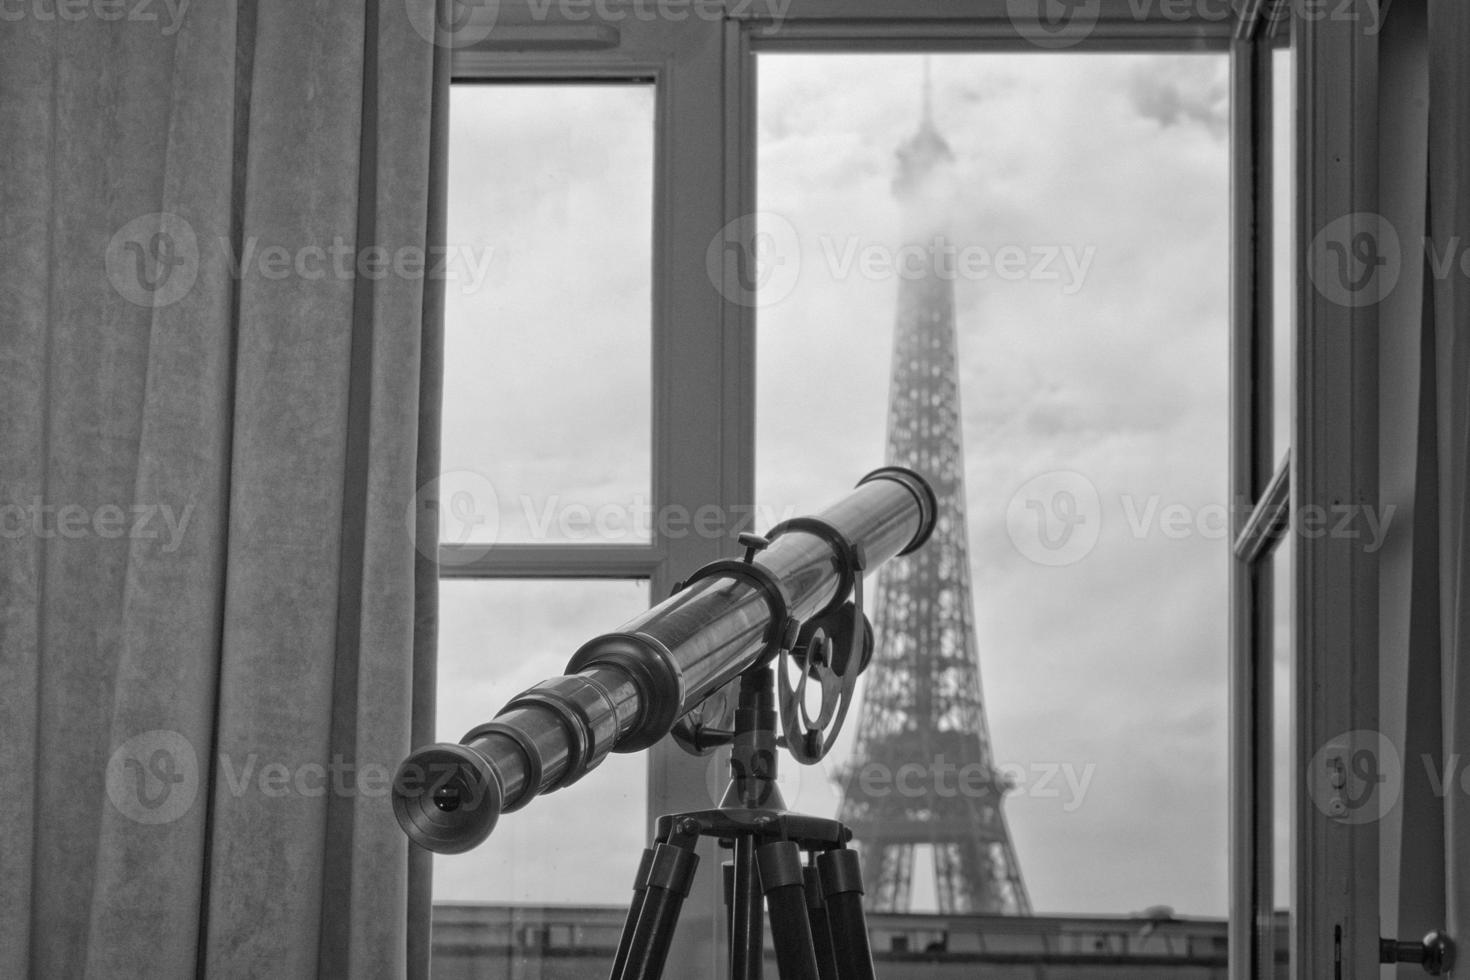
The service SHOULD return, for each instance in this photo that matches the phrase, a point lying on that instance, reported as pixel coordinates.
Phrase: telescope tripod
(816, 913)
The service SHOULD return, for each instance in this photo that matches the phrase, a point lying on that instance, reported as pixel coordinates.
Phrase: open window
(765, 135)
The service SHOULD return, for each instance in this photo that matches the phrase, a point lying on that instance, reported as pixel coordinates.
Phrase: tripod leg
(727, 875)
(747, 935)
(842, 883)
(816, 913)
(640, 886)
(782, 881)
(670, 873)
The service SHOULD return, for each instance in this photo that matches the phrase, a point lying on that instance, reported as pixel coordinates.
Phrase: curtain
(219, 361)
(1447, 322)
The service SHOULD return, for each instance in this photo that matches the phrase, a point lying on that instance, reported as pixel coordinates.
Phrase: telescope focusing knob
(447, 797)
(753, 545)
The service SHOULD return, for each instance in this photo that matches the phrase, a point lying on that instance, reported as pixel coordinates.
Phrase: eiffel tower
(923, 708)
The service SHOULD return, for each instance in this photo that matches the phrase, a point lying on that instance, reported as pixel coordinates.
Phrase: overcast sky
(1099, 355)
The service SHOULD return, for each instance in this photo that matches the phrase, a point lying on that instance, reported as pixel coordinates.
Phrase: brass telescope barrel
(623, 691)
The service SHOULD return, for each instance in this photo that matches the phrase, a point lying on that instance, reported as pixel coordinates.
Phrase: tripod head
(623, 691)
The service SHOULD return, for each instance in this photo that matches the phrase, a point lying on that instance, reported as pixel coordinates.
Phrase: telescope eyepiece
(447, 797)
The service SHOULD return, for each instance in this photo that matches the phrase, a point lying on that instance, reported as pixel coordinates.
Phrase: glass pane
(578, 845)
(1067, 214)
(547, 430)
(1283, 117)
(1283, 696)
(1283, 244)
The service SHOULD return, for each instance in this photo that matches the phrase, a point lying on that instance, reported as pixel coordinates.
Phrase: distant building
(539, 942)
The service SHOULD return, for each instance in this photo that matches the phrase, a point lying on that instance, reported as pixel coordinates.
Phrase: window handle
(1435, 952)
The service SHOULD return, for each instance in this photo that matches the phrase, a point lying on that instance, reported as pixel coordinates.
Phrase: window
(548, 379)
(1090, 314)
(586, 423)
(546, 447)
(723, 417)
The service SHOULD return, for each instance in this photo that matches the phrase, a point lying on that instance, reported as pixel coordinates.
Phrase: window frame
(1261, 497)
(703, 371)
(701, 432)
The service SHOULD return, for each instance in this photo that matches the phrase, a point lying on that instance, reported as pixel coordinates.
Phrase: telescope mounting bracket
(830, 649)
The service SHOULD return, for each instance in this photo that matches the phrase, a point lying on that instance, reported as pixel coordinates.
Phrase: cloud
(1182, 91)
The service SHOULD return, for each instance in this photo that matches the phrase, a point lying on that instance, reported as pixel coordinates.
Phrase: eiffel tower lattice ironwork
(922, 704)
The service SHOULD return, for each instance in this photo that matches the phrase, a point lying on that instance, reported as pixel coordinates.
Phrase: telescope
(797, 591)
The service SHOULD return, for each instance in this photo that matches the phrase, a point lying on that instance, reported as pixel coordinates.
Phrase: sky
(1089, 195)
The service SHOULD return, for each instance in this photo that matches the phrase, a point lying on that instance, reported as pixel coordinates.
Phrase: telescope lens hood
(447, 797)
(923, 494)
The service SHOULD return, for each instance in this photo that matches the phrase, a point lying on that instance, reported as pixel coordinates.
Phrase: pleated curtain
(220, 349)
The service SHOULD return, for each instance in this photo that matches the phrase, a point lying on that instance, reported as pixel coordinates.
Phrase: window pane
(1284, 675)
(1283, 256)
(1283, 682)
(548, 336)
(1075, 230)
(578, 845)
